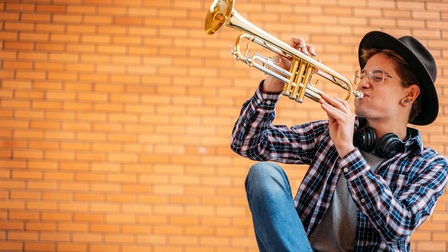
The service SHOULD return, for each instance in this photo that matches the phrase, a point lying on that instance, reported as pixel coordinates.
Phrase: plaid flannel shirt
(392, 201)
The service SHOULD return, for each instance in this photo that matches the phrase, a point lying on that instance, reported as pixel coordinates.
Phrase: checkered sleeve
(255, 137)
(396, 214)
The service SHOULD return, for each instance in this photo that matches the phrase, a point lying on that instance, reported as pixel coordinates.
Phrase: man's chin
(358, 112)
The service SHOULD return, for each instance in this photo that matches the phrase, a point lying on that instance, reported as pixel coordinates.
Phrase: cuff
(265, 100)
(353, 165)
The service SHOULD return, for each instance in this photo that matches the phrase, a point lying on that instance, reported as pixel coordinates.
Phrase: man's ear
(413, 92)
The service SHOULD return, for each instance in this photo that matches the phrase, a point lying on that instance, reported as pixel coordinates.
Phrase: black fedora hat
(419, 59)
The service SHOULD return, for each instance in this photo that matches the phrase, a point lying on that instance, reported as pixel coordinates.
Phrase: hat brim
(429, 100)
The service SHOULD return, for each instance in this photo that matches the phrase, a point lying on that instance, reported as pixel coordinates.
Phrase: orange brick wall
(115, 117)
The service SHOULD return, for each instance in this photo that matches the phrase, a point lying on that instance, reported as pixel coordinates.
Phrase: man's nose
(364, 82)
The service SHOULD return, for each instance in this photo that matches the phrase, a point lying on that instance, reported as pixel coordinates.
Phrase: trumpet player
(370, 182)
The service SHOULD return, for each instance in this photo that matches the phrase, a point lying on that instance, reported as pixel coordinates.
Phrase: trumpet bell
(218, 15)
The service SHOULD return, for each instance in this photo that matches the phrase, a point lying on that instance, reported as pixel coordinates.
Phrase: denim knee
(267, 177)
(264, 169)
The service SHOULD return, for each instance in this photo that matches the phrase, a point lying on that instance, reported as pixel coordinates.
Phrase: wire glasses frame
(376, 77)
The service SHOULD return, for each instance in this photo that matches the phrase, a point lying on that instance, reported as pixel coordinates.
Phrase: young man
(370, 181)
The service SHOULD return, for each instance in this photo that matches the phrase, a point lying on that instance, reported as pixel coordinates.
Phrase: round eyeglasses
(376, 77)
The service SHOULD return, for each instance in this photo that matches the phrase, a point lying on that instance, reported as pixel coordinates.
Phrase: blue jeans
(276, 222)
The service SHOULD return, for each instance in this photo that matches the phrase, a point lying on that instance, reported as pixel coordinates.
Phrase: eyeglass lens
(375, 77)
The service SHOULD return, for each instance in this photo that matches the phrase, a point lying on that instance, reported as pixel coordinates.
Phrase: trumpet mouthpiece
(358, 94)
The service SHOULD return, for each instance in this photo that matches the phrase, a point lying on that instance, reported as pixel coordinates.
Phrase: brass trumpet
(222, 13)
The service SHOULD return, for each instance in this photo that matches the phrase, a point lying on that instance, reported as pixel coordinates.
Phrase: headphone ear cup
(365, 138)
(388, 145)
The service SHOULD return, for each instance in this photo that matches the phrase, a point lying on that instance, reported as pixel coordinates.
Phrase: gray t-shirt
(337, 230)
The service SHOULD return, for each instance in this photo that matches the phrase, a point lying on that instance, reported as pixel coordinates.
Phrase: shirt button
(363, 201)
(268, 102)
(258, 101)
(345, 169)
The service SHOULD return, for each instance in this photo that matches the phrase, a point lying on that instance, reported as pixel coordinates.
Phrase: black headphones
(387, 146)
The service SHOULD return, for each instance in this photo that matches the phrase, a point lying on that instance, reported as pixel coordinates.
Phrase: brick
(18, 45)
(122, 218)
(49, 28)
(35, 37)
(97, 19)
(73, 186)
(11, 225)
(66, 57)
(78, 68)
(17, 235)
(83, 9)
(10, 16)
(93, 77)
(9, 35)
(128, 21)
(78, 106)
(80, 48)
(126, 40)
(39, 226)
(41, 246)
(120, 198)
(84, 29)
(18, 26)
(19, 6)
(122, 239)
(11, 245)
(88, 217)
(439, 236)
(51, 8)
(431, 246)
(111, 10)
(105, 228)
(28, 215)
(112, 30)
(26, 175)
(111, 68)
(95, 39)
(8, 55)
(56, 196)
(124, 178)
(104, 248)
(72, 227)
(93, 238)
(36, 17)
(58, 237)
(71, 247)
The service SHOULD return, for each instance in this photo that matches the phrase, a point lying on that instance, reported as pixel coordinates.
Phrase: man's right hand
(272, 84)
